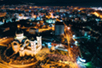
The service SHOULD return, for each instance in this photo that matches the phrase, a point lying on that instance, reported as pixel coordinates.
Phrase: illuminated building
(26, 46)
(51, 20)
(59, 28)
(62, 10)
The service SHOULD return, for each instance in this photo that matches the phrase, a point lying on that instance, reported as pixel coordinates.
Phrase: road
(5, 41)
(92, 30)
(4, 66)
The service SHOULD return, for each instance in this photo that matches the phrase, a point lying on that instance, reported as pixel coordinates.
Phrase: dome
(19, 34)
(19, 31)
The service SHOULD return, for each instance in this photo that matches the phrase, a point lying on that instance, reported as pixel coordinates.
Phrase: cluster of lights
(80, 60)
(50, 21)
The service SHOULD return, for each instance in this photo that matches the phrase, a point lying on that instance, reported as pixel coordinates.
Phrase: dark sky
(70, 2)
(65, 1)
(58, 2)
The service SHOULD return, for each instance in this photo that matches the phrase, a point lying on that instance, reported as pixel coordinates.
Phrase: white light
(50, 21)
(24, 45)
(61, 20)
(49, 44)
(82, 60)
(76, 42)
(22, 48)
(74, 36)
(68, 28)
(78, 62)
(20, 37)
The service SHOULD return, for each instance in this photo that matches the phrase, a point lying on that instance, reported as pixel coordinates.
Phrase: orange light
(18, 26)
(30, 7)
(97, 14)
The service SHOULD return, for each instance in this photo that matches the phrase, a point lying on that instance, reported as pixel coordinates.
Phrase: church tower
(39, 40)
(19, 34)
(33, 44)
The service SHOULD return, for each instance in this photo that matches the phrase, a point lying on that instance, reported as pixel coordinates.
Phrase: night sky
(63, 0)
(56, 2)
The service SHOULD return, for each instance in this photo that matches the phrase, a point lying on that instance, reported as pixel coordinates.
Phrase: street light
(74, 36)
(68, 28)
(18, 26)
(76, 42)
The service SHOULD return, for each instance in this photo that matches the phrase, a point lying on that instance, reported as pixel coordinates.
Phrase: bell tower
(19, 33)
(39, 40)
(33, 44)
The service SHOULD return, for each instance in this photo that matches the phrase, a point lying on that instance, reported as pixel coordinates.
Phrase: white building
(25, 46)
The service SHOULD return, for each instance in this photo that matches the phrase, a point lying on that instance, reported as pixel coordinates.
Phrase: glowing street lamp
(76, 42)
(80, 60)
(68, 28)
(74, 36)
(18, 26)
